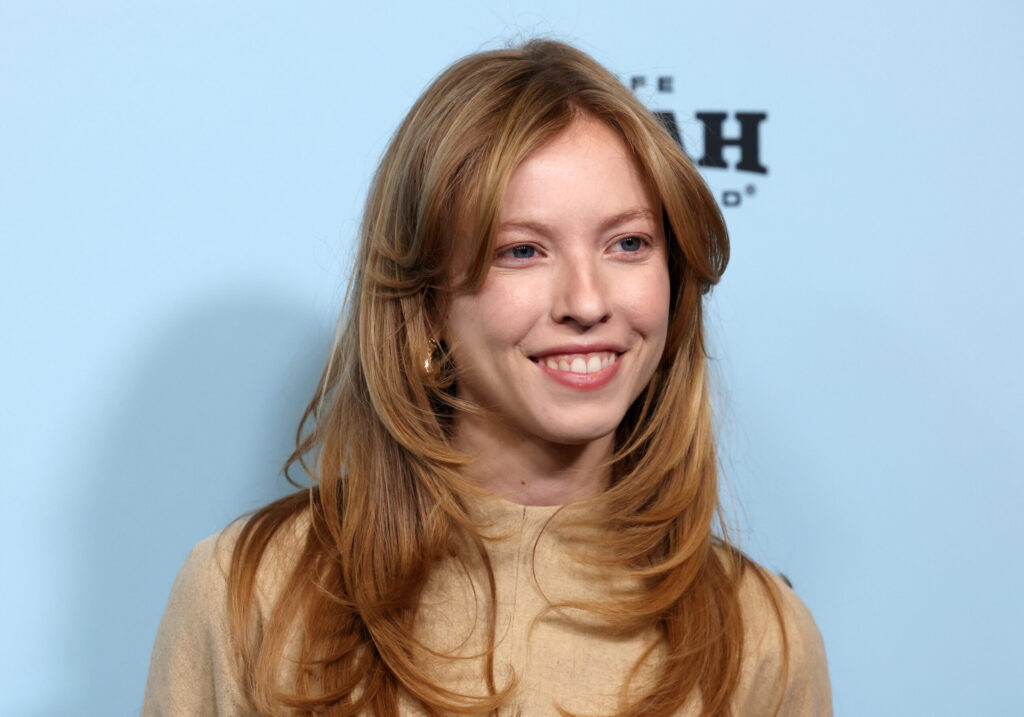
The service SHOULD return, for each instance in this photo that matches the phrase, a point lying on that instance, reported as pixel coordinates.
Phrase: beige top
(556, 657)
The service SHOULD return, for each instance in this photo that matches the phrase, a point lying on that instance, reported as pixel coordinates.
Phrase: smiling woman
(513, 469)
(569, 324)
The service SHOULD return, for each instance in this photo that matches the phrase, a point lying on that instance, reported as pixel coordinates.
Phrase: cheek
(511, 304)
(649, 304)
(500, 313)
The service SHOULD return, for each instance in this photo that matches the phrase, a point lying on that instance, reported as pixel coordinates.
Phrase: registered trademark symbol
(750, 189)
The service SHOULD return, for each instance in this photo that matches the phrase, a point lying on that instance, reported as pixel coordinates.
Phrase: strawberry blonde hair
(386, 499)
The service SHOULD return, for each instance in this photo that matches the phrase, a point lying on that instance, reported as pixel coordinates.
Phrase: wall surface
(180, 187)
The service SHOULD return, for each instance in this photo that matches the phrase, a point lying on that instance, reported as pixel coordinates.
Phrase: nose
(580, 295)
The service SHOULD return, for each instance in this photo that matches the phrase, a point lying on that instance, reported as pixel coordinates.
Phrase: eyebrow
(610, 223)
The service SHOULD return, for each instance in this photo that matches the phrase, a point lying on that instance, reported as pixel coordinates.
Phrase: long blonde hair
(386, 499)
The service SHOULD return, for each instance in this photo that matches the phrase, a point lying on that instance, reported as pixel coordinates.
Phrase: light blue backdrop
(180, 185)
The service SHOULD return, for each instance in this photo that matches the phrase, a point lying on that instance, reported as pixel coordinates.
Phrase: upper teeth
(580, 363)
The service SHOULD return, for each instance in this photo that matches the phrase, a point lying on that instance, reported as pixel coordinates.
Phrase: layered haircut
(387, 498)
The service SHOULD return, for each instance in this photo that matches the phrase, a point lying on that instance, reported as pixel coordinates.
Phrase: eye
(517, 255)
(522, 251)
(631, 244)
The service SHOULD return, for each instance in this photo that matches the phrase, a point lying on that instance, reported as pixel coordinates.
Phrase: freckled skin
(580, 263)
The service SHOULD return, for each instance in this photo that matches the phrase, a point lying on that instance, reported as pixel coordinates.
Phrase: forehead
(584, 172)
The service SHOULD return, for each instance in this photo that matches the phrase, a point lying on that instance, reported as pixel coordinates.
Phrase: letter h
(749, 141)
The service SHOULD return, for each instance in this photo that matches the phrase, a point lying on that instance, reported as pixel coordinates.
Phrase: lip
(578, 349)
(580, 381)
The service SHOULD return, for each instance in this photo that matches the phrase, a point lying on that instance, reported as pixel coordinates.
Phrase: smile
(581, 371)
(579, 363)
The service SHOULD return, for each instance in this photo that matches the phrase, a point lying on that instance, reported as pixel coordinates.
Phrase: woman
(514, 469)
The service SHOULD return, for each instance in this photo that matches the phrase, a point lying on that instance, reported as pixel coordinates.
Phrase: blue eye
(631, 244)
(523, 251)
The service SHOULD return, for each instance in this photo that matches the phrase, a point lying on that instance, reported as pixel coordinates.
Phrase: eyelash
(630, 238)
(509, 252)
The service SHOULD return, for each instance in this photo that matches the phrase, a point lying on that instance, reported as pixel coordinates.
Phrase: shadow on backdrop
(195, 432)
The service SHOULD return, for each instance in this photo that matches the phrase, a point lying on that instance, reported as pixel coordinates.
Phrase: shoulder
(783, 651)
(203, 578)
(195, 668)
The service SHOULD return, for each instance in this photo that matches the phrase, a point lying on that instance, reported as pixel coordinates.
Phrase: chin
(577, 435)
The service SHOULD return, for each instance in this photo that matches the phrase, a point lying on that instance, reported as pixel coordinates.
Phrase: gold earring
(428, 361)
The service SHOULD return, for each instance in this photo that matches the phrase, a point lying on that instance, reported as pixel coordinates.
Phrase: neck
(529, 470)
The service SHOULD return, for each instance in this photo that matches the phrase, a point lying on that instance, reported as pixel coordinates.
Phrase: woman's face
(570, 322)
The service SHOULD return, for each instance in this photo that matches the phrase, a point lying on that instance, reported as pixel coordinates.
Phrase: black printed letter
(749, 141)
